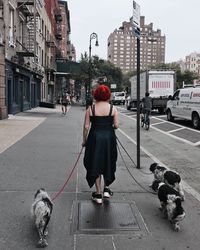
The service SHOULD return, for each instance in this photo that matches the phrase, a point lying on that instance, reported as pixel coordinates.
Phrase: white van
(185, 104)
(118, 97)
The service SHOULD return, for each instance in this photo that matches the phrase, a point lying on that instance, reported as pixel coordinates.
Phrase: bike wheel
(147, 125)
(142, 122)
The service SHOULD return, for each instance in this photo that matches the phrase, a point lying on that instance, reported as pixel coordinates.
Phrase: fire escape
(27, 42)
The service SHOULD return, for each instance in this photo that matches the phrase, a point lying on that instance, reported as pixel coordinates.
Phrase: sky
(178, 20)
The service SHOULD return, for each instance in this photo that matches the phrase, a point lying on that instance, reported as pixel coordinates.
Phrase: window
(15, 90)
(176, 95)
(42, 27)
(42, 57)
(26, 89)
(21, 32)
(11, 27)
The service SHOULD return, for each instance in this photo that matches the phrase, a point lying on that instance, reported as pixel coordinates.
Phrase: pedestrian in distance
(64, 103)
(99, 139)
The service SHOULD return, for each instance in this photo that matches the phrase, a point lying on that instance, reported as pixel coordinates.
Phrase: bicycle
(145, 119)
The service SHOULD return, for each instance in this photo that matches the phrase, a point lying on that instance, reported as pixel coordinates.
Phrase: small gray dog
(41, 211)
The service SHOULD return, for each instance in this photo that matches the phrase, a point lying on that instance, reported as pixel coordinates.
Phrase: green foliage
(126, 84)
(103, 69)
(99, 69)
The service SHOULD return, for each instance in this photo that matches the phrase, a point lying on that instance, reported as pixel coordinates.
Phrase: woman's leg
(97, 196)
(107, 193)
(98, 184)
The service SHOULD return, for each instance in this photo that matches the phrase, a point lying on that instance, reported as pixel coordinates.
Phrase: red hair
(102, 93)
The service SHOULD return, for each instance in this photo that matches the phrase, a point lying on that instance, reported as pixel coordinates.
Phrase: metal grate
(108, 218)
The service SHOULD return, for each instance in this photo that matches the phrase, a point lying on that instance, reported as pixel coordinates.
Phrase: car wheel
(170, 118)
(195, 121)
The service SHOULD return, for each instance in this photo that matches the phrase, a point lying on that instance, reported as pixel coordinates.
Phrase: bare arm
(116, 118)
(86, 126)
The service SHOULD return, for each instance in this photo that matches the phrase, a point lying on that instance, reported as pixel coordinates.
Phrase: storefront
(22, 88)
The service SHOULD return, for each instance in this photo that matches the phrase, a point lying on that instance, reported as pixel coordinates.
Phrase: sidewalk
(38, 149)
(17, 126)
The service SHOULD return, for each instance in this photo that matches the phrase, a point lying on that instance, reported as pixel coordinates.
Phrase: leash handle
(65, 183)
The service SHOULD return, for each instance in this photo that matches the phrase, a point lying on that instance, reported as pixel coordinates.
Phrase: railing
(58, 17)
(25, 43)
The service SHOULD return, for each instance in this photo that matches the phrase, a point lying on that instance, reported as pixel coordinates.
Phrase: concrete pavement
(38, 148)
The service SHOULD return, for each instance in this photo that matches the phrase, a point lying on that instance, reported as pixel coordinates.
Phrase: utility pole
(136, 33)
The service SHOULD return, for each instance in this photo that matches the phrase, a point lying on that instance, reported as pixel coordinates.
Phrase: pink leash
(65, 184)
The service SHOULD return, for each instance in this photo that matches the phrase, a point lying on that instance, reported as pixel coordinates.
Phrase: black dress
(101, 149)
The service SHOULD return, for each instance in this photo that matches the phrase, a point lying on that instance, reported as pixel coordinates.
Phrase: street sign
(136, 14)
(136, 19)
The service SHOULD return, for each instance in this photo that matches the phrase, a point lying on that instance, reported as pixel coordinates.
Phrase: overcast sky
(177, 19)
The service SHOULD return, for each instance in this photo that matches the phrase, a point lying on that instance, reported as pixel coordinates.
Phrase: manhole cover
(111, 217)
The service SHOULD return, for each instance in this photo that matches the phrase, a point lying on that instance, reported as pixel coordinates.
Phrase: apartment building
(192, 62)
(122, 47)
(24, 47)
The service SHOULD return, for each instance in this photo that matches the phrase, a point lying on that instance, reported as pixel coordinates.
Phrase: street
(43, 153)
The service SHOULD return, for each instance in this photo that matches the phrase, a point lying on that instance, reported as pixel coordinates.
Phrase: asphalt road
(45, 156)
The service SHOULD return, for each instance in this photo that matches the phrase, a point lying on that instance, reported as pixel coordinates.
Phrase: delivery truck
(159, 83)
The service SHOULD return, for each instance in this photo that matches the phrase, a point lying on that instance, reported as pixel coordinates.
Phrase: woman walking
(101, 120)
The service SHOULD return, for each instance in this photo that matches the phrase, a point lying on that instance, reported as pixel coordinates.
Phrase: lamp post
(92, 36)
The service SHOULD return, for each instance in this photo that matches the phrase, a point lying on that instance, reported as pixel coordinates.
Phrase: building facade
(122, 47)
(3, 108)
(64, 83)
(30, 42)
(192, 63)
(24, 33)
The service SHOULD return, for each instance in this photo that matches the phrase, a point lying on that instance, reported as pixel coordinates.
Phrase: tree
(99, 69)
(126, 81)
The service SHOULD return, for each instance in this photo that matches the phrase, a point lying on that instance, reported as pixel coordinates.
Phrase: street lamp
(92, 36)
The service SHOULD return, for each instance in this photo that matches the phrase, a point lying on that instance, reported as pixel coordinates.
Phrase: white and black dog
(41, 211)
(171, 204)
(169, 177)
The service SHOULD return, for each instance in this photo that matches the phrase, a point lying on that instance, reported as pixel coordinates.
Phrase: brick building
(31, 39)
(122, 47)
(3, 109)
